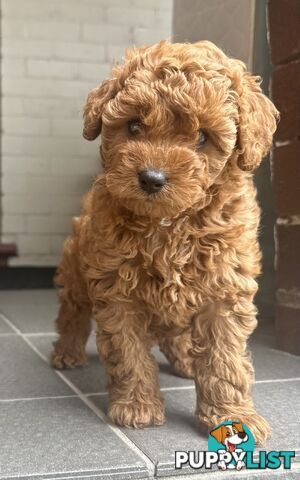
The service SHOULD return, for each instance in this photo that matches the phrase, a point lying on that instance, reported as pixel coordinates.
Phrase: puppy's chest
(158, 261)
(164, 271)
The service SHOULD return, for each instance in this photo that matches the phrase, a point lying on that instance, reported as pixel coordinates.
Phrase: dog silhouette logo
(231, 440)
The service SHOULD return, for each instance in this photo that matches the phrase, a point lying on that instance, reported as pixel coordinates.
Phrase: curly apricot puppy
(165, 249)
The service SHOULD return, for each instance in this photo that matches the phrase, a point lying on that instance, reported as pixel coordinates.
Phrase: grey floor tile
(264, 328)
(57, 438)
(28, 297)
(91, 379)
(31, 318)
(272, 364)
(180, 432)
(62, 437)
(269, 363)
(278, 402)
(168, 378)
(23, 374)
(34, 311)
(30, 310)
(4, 328)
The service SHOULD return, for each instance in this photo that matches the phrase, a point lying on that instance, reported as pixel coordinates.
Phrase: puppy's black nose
(152, 181)
(242, 434)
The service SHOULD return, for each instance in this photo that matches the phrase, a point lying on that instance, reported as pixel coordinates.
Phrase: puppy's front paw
(67, 358)
(259, 427)
(137, 414)
(255, 422)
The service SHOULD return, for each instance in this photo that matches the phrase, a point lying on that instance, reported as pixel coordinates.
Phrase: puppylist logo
(231, 441)
(231, 447)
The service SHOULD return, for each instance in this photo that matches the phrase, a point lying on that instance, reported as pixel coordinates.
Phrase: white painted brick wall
(53, 53)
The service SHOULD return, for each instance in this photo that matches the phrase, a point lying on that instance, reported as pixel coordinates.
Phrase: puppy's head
(230, 435)
(172, 118)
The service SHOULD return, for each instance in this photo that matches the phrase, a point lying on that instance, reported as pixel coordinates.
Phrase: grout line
(47, 334)
(55, 397)
(150, 465)
(21, 334)
(107, 422)
(275, 380)
(10, 324)
(165, 389)
(96, 394)
(103, 394)
(182, 387)
(286, 354)
(59, 475)
(100, 475)
(28, 399)
(278, 380)
(97, 411)
(40, 334)
(76, 475)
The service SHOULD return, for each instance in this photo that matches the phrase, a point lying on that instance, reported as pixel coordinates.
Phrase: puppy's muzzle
(152, 181)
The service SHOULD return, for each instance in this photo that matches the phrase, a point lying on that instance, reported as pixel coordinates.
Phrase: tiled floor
(53, 424)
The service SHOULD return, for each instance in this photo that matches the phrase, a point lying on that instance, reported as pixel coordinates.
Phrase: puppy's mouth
(231, 447)
(155, 191)
(161, 201)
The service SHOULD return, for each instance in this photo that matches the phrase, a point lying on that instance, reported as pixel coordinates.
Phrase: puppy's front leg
(133, 386)
(223, 371)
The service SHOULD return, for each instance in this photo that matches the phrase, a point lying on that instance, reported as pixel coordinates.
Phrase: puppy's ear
(257, 122)
(238, 426)
(92, 114)
(218, 433)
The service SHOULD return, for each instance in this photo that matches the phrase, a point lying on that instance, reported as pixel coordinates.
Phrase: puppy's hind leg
(177, 350)
(73, 323)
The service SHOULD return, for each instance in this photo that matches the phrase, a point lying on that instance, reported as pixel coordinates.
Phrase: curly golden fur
(175, 267)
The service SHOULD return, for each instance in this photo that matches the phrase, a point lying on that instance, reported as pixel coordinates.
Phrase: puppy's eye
(134, 127)
(202, 138)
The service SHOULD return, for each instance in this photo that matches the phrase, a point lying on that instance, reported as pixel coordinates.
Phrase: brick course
(288, 256)
(288, 329)
(286, 173)
(53, 53)
(284, 20)
(285, 91)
